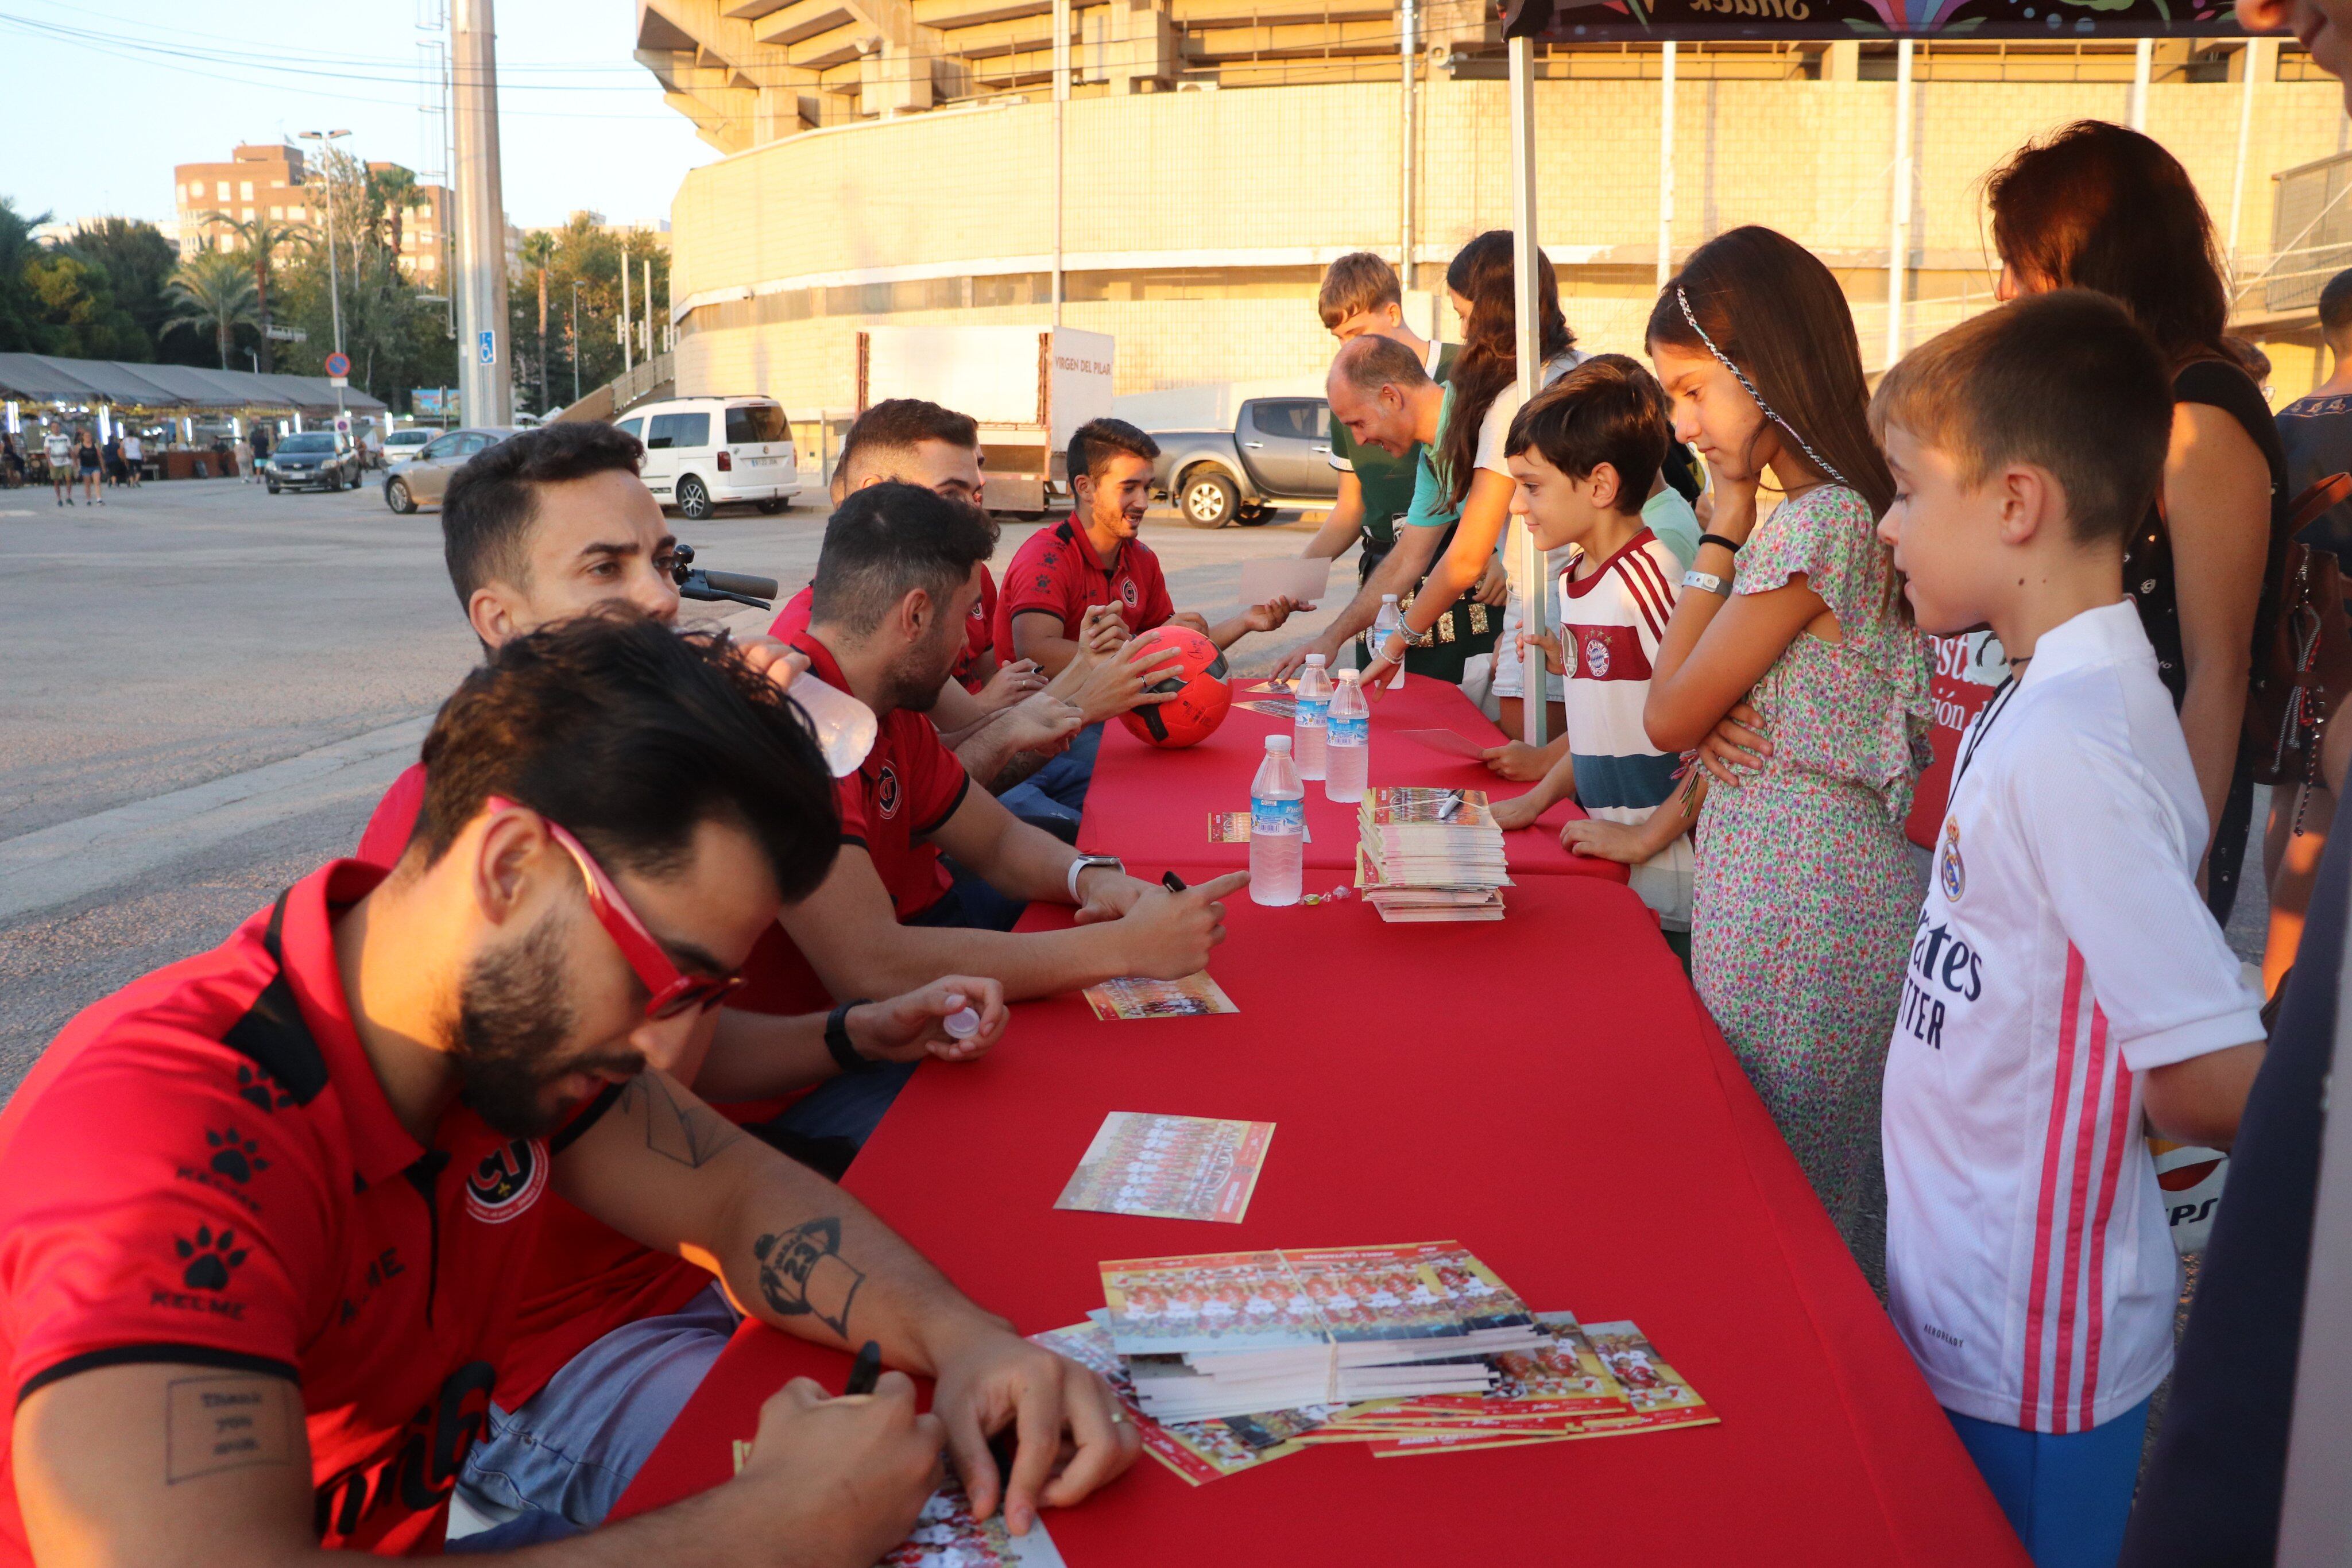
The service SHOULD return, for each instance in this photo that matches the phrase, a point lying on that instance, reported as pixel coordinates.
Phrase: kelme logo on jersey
(1949, 869)
(886, 794)
(507, 1183)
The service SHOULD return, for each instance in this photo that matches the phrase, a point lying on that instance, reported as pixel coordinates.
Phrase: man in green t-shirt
(1361, 294)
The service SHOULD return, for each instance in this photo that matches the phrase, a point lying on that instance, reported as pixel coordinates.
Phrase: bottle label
(1312, 712)
(1356, 731)
(1270, 818)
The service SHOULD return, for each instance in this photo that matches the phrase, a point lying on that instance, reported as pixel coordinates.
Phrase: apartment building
(274, 183)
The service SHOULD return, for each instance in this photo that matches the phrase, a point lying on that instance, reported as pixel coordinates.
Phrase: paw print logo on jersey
(210, 1259)
(886, 794)
(260, 1091)
(234, 1155)
(1950, 873)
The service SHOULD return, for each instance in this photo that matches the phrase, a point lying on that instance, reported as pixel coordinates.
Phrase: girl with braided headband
(1805, 901)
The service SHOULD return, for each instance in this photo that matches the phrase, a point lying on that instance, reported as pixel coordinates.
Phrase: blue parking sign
(489, 350)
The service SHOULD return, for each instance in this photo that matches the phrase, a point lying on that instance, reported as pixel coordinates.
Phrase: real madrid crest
(1950, 869)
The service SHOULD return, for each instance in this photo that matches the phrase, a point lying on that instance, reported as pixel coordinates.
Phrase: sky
(97, 103)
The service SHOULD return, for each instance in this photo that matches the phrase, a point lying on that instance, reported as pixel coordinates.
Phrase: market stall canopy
(1725, 21)
(42, 378)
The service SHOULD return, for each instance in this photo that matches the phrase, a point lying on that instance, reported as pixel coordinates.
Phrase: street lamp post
(325, 138)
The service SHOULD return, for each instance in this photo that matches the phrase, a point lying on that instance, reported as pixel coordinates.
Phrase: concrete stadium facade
(1197, 223)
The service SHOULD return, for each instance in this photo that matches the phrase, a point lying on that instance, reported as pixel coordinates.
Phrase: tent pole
(1899, 238)
(1665, 165)
(1525, 562)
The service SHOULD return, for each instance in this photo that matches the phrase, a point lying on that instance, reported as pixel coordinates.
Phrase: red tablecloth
(1547, 1090)
(1152, 806)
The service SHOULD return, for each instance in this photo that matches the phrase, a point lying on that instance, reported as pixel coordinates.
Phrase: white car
(703, 452)
(400, 444)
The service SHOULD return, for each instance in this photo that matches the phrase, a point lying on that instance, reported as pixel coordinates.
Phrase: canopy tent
(42, 378)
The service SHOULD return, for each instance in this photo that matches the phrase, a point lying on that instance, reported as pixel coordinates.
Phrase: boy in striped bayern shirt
(1584, 455)
(2065, 978)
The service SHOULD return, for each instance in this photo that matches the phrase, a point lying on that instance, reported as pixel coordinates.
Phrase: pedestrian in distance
(86, 458)
(247, 462)
(115, 475)
(12, 461)
(58, 451)
(134, 456)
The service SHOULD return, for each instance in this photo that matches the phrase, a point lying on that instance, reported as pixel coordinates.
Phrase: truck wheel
(396, 497)
(693, 500)
(1208, 498)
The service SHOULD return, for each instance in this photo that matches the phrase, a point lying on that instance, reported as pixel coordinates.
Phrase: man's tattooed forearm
(801, 1271)
(677, 1129)
(228, 1423)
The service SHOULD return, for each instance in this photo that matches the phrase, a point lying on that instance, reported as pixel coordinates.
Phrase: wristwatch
(837, 1041)
(1707, 582)
(1080, 866)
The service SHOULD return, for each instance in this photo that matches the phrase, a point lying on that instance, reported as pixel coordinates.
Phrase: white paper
(1263, 582)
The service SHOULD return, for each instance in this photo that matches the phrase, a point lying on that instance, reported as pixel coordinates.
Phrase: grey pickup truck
(1278, 453)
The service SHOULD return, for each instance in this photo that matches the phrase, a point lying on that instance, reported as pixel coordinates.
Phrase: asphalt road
(207, 687)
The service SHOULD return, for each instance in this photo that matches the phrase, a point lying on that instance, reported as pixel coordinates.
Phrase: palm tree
(259, 240)
(538, 255)
(212, 288)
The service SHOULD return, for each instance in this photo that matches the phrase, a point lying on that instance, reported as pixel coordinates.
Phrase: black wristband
(1719, 539)
(836, 1041)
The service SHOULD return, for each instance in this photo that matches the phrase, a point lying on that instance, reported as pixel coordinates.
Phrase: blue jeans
(572, 1448)
(1058, 789)
(2068, 1498)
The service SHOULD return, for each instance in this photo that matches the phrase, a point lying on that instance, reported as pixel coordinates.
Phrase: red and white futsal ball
(1201, 678)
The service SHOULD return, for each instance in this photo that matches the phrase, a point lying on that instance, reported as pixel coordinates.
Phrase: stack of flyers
(1430, 854)
(1169, 1167)
(1660, 1394)
(1194, 996)
(946, 1535)
(1238, 1333)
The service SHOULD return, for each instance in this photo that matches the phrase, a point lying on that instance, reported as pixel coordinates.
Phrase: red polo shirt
(203, 1169)
(979, 633)
(1057, 572)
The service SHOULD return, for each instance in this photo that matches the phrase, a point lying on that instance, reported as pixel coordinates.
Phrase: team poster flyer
(1169, 1167)
(946, 1536)
(1194, 996)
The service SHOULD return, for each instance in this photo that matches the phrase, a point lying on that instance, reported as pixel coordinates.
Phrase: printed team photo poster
(1169, 1167)
(946, 1535)
(1194, 996)
(1660, 1396)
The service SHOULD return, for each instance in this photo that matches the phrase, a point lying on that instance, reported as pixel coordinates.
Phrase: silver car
(419, 481)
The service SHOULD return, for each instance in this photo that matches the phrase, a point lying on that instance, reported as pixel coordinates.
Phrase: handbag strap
(2317, 497)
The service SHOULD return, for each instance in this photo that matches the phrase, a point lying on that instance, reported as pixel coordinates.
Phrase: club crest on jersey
(886, 794)
(507, 1182)
(1128, 595)
(1596, 658)
(1949, 869)
(1568, 658)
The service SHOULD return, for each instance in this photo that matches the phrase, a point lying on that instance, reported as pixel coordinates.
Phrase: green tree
(138, 262)
(77, 309)
(20, 310)
(212, 288)
(260, 241)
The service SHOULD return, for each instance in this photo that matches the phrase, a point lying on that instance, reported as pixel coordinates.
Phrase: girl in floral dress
(1806, 898)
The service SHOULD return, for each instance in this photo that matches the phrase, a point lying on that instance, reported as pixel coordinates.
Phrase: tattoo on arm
(1019, 766)
(677, 1129)
(800, 1271)
(226, 1423)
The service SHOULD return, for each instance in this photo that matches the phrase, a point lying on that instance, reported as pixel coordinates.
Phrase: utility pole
(575, 340)
(648, 343)
(1408, 58)
(628, 334)
(1665, 165)
(542, 337)
(326, 140)
(1061, 99)
(484, 360)
(1899, 235)
(1525, 562)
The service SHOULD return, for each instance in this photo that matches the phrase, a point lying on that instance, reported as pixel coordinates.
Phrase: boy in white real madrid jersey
(2066, 976)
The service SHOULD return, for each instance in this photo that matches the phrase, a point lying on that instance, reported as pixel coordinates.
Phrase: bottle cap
(1348, 674)
(1277, 742)
(1316, 659)
(961, 1024)
(1388, 598)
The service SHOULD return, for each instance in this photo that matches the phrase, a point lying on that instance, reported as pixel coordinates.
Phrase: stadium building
(892, 163)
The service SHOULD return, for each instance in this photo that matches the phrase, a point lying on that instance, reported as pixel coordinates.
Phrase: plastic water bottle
(963, 1023)
(1277, 826)
(1348, 743)
(1390, 619)
(846, 728)
(1313, 696)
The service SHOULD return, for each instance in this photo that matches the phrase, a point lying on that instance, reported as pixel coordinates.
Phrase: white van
(702, 452)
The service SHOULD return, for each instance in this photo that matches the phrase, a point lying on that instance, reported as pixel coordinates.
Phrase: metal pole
(628, 337)
(326, 140)
(1899, 238)
(2251, 58)
(1526, 563)
(485, 358)
(2143, 62)
(1665, 165)
(575, 340)
(1061, 98)
(1408, 61)
(648, 344)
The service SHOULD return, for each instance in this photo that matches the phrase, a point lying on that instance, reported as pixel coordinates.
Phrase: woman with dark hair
(1466, 469)
(1805, 901)
(2100, 207)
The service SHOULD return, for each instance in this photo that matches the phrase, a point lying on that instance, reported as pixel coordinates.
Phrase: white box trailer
(1028, 387)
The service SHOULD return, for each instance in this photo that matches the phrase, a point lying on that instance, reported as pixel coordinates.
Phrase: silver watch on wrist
(1707, 582)
(1084, 863)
